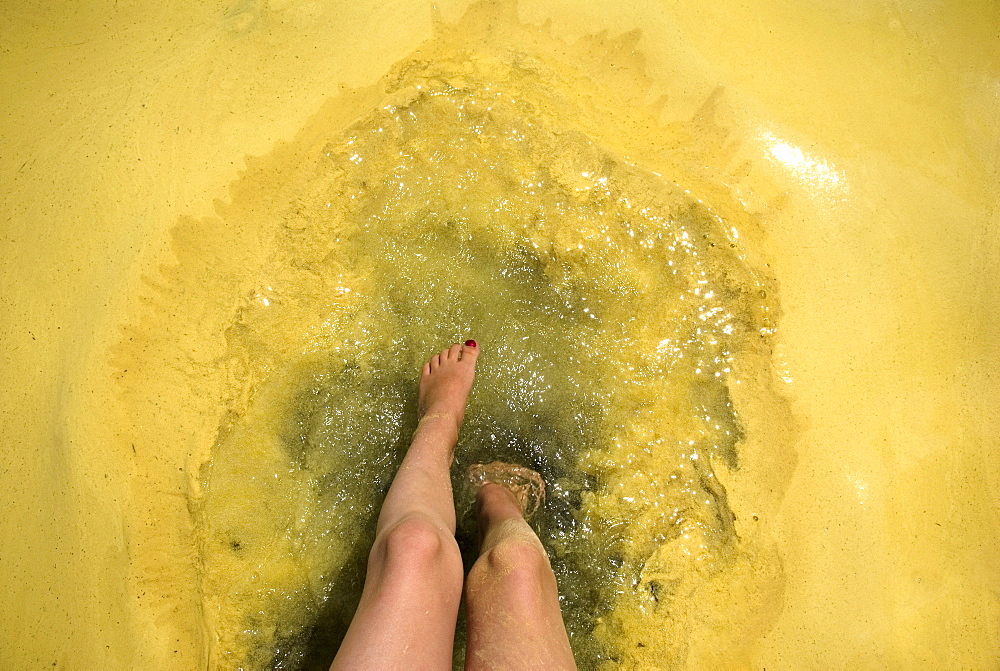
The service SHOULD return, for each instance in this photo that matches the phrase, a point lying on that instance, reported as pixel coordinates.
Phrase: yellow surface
(862, 139)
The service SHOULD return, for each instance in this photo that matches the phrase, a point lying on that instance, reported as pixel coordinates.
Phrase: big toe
(469, 351)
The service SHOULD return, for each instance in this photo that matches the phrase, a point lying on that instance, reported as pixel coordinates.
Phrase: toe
(455, 352)
(469, 352)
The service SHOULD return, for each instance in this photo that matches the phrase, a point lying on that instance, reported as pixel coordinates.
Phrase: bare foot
(526, 485)
(446, 381)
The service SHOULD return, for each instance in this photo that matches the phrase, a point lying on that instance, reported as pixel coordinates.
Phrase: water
(615, 310)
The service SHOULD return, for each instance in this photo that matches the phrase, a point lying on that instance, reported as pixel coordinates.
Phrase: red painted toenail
(470, 343)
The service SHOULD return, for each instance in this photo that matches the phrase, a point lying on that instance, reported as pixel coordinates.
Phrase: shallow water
(611, 305)
(185, 363)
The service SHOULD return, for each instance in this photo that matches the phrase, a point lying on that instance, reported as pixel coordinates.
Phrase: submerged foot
(446, 380)
(527, 486)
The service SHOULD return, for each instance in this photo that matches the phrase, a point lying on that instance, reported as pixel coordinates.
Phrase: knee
(416, 546)
(518, 567)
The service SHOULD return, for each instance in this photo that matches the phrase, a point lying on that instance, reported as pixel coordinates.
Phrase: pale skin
(409, 605)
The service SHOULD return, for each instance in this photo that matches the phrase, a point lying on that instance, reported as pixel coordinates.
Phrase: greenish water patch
(611, 305)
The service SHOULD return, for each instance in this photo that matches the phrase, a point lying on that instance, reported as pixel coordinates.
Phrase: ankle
(444, 417)
(495, 501)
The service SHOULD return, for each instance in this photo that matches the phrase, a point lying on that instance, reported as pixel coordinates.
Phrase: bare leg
(511, 598)
(406, 617)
